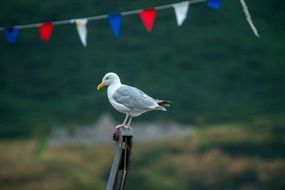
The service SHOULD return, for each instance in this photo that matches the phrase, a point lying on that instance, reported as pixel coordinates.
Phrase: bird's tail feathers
(162, 104)
(160, 108)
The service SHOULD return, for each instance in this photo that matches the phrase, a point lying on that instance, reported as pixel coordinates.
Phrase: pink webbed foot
(119, 126)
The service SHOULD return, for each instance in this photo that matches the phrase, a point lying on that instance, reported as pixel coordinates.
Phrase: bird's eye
(107, 78)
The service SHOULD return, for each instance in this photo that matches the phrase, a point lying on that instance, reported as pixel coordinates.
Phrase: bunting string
(248, 17)
(99, 17)
(147, 17)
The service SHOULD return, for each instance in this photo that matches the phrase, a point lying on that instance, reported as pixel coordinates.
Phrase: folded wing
(134, 98)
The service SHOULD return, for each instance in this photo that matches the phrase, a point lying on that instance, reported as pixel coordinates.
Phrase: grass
(242, 157)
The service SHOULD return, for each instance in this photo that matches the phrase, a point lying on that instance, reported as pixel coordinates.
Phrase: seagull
(129, 100)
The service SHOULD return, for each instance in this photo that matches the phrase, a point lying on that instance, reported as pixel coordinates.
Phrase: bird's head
(108, 79)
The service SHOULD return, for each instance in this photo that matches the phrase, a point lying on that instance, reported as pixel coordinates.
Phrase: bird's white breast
(110, 92)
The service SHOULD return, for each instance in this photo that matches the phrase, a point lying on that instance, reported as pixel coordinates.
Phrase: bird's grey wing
(133, 98)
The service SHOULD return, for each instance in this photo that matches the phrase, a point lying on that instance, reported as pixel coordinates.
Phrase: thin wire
(248, 18)
(100, 17)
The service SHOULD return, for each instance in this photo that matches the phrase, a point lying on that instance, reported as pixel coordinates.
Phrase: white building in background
(102, 131)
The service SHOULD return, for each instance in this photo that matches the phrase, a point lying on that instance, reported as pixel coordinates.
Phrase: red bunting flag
(148, 17)
(45, 30)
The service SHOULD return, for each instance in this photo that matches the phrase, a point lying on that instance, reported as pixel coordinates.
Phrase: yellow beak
(101, 85)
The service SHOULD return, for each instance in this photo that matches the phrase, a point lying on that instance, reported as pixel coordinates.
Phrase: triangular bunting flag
(81, 25)
(45, 30)
(181, 10)
(214, 4)
(148, 16)
(11, 34)
(115, 22)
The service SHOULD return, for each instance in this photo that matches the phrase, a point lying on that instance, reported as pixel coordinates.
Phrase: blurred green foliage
(212, 68)
(181, 164)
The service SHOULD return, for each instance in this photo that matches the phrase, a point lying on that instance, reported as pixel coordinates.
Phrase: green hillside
(212, 68)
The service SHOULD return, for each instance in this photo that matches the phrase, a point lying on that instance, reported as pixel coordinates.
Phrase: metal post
(123, 149)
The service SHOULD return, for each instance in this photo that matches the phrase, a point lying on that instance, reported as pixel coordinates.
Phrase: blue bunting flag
(115, 22)
(11, 34)
(214, 4)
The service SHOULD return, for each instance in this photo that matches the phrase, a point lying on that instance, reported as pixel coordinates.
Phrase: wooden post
(123, 149)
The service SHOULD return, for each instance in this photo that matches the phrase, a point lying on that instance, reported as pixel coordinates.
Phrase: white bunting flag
(82, 30)
(181, 10)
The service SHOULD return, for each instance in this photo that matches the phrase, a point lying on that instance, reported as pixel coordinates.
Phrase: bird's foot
(122, 126)
(127, 126)
(119, 126)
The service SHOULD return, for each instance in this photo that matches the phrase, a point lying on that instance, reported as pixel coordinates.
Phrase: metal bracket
(123, 149)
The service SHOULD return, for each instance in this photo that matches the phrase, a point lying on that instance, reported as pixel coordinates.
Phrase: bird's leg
(129, 122)
(122, 125)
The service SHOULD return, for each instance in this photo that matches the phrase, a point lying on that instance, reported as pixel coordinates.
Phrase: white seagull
(129, 100)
